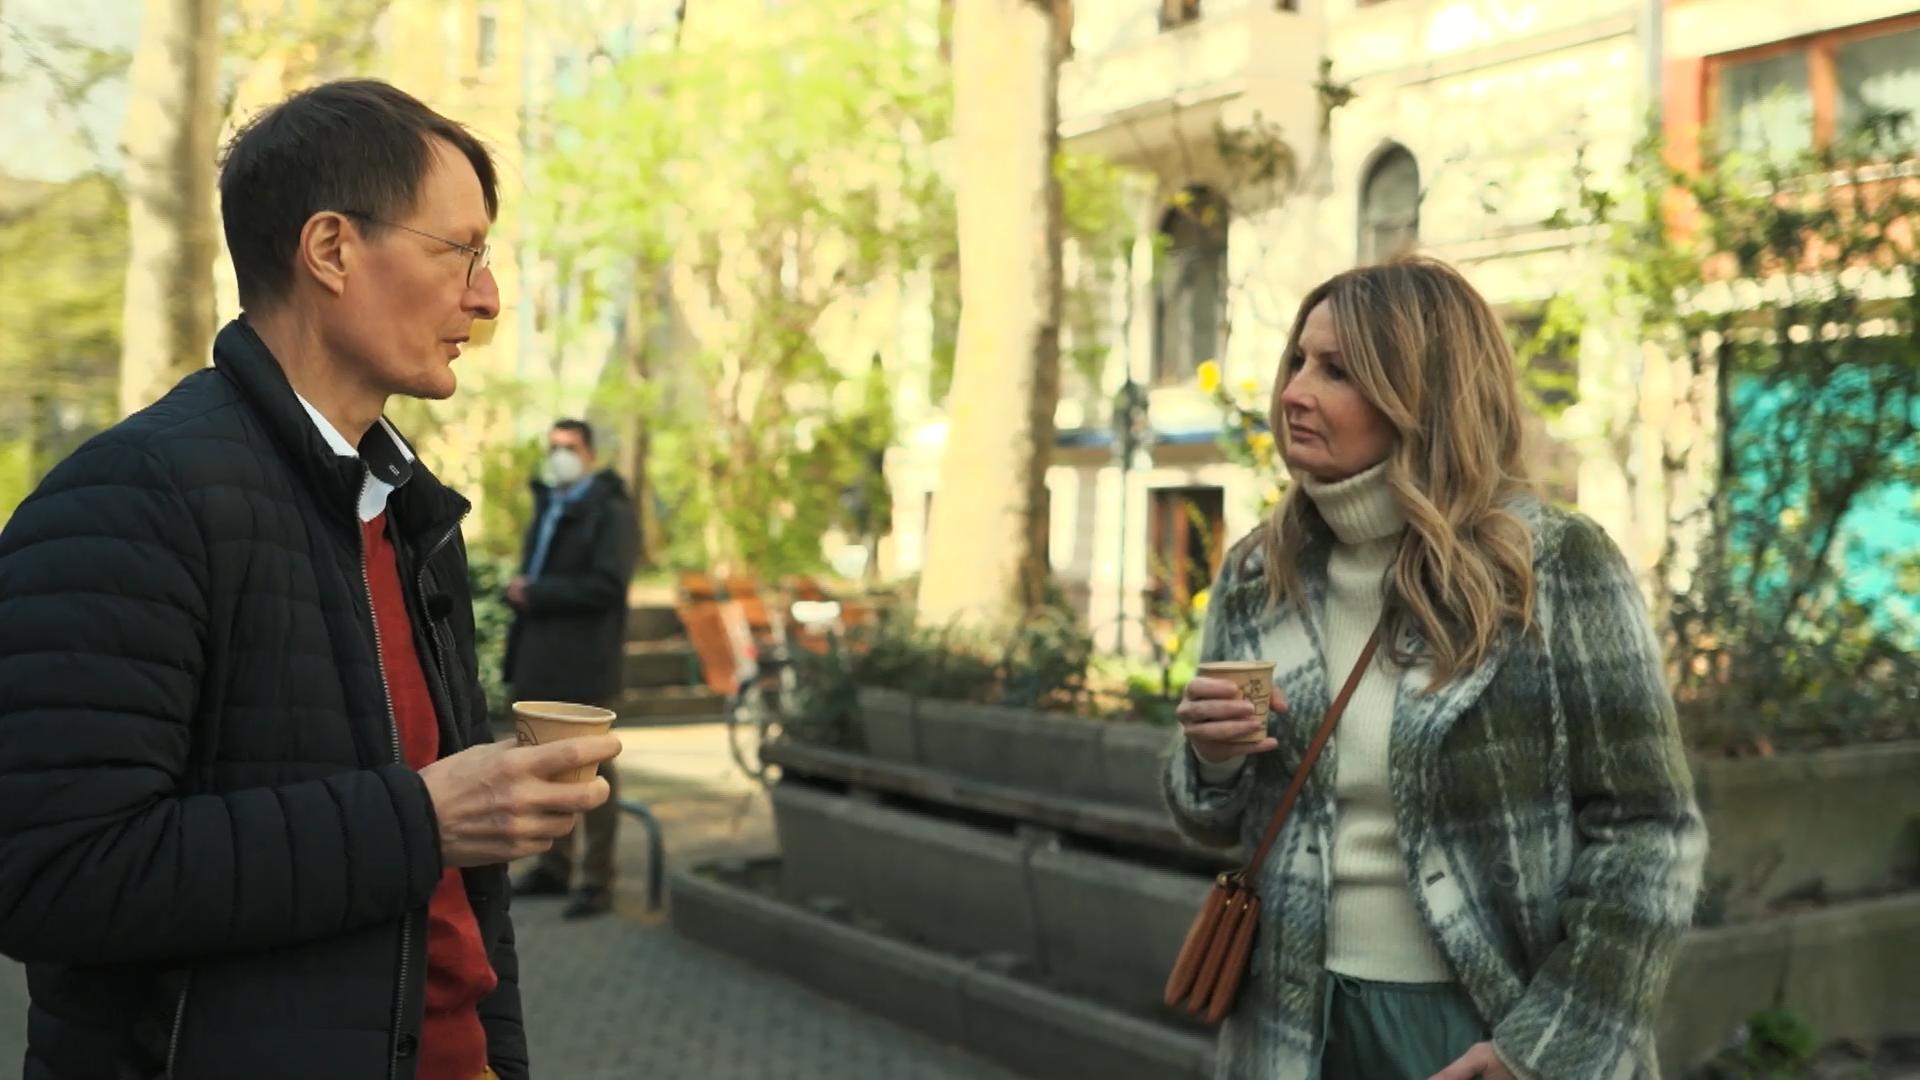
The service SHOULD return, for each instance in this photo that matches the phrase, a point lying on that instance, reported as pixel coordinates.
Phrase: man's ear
(328, 247)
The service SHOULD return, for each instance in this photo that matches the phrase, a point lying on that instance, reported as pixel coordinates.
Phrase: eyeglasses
(477, 257)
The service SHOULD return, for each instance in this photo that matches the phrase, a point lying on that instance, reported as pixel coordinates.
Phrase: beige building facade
(1451, 127)
(1444, 126)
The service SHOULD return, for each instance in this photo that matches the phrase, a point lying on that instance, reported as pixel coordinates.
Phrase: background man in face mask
(568, 642)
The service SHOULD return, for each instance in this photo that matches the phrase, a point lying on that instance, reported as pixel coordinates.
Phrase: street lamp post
(1130, 432)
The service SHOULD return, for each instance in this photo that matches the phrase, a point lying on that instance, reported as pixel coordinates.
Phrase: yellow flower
(1271, 496)
(1171, 643)
(1200, 601)
(1209, 376)
(1248, 388)
(1260, 441)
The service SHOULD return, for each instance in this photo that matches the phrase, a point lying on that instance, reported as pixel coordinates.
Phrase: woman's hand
(1219, 723)
(1479, 1060)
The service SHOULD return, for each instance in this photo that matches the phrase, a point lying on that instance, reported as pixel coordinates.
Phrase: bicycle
(768, 692)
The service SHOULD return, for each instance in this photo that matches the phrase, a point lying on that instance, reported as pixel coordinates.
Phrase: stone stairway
(662, 674)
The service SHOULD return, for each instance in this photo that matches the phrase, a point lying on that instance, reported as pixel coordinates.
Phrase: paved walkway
(622, 998)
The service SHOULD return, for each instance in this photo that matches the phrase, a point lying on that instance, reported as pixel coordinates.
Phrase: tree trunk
(634, 349)
(172, 120)
(986, 552)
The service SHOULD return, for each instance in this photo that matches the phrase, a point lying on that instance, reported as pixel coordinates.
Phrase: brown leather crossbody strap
(1313, 754)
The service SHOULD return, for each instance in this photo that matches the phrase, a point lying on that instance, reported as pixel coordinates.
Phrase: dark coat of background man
(569, 641)
(251, 820)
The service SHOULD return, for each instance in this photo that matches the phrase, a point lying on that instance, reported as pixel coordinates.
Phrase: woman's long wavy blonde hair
(1425, 349)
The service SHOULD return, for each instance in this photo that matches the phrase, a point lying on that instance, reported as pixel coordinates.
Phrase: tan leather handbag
(1213, 960)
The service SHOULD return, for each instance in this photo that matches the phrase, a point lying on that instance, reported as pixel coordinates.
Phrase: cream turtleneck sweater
(1374, 931)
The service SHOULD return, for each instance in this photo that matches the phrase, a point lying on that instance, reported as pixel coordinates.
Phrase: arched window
(1190, 284)
(1390, 206)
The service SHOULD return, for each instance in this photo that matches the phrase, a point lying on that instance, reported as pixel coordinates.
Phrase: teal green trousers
(1394, 1031)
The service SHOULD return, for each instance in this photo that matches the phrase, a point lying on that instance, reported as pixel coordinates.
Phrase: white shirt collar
(335, 441)
(373, 497)
(338, 443)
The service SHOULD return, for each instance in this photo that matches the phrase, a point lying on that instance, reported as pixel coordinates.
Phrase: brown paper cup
(537, 723)
(1255, 680)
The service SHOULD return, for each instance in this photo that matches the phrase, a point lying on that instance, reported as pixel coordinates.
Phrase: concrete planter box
(1110, 761)
(911, 986)
(1107, 927)
(886, 720)
(1110, 929)
(1832, 823)
(1829, 823)
(1017, 747)
(1035, 1030)
(1849, 969)
(1043, 1033)
(1846, 969)
(962, 889)
(1131, 759)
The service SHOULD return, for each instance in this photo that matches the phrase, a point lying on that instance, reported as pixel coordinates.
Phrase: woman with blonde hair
(1488, 870)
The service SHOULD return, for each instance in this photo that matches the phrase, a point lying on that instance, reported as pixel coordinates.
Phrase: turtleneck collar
(1358, 509)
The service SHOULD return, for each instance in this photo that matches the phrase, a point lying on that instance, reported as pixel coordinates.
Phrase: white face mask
(564, 467)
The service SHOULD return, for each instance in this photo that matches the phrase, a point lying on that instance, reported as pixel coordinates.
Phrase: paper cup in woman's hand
(1254, 680)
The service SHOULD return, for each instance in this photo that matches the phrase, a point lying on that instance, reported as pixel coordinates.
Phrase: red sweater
(453, 1045)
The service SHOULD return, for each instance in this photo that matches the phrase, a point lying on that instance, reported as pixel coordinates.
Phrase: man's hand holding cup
(507, 800)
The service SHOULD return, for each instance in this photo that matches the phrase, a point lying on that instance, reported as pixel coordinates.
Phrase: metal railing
(656, 851)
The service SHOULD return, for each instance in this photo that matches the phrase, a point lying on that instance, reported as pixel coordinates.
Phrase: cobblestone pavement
(622, 998)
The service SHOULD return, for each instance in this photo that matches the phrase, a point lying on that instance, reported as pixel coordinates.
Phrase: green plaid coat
(1544, 804)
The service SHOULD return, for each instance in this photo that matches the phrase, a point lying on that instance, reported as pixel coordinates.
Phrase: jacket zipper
(393, 729)
(179, 1016)
(433, 625)
(393, 726)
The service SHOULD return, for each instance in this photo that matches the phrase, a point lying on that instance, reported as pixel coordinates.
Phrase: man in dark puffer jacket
(251, 820)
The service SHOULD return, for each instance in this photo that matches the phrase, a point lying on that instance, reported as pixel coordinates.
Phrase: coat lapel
(1422, 719)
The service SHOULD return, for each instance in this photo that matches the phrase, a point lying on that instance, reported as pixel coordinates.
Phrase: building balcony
(1137, 85)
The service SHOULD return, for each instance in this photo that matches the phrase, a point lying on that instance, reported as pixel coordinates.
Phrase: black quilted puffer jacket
(212, 860)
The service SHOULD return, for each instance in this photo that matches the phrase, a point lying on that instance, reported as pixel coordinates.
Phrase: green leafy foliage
(71, 68)
(1097, 222)
(1774, 1044)
(488, 576)
(311, 41)
(1138, 689)
(59, 323)
(1245, 436)
(1787, 286)
(1045, 662)
(752, 190)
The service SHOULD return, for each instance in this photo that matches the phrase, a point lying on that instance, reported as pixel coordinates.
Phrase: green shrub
(1774, 1044)
(488, 576)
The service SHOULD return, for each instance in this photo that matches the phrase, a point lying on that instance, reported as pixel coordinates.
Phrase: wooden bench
(718, 631)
